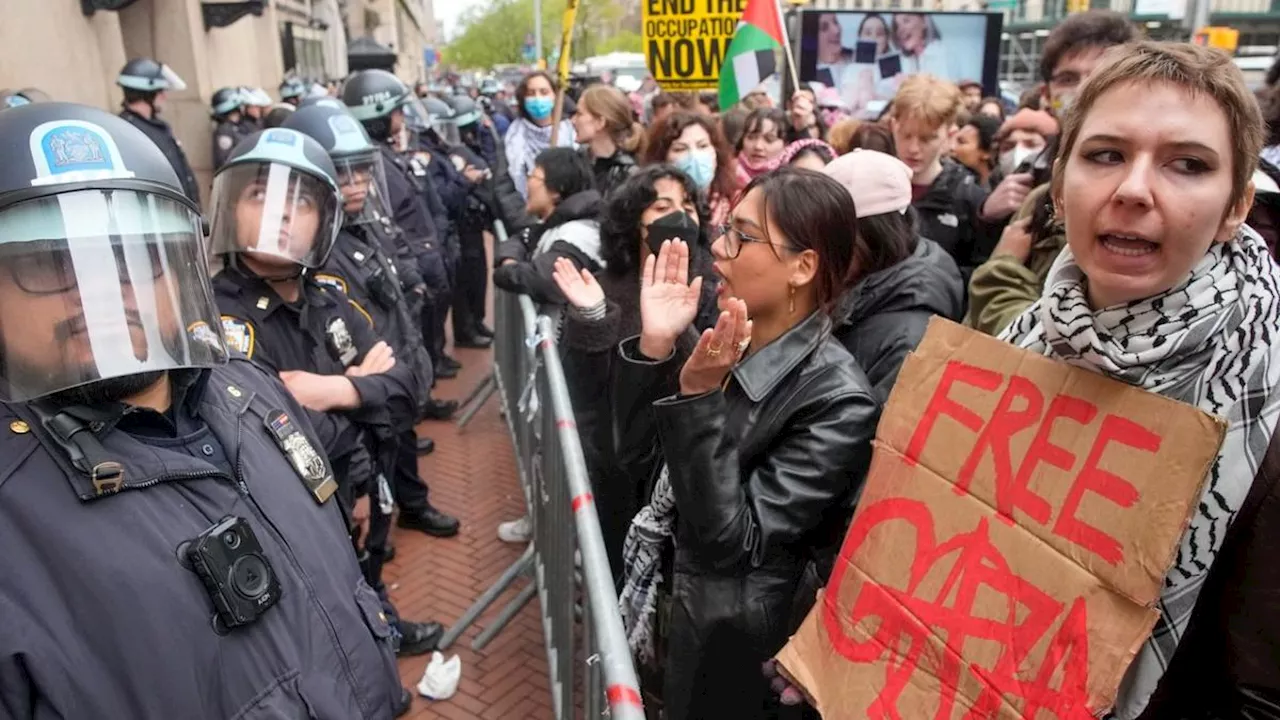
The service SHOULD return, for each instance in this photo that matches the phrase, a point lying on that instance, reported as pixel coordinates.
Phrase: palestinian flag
(750, 57)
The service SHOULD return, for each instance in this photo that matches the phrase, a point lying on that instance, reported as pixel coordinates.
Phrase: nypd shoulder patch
(200, 332)
(332, 282)
(240, 335)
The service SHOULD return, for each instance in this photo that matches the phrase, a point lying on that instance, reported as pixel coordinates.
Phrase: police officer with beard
(376, 98)
(145, 83)
(172, 548)
(359, 267)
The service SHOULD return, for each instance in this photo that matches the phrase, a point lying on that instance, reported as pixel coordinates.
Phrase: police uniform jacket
(451, 185)
(360, 268)
(408, 207)
(384, 231)
(102, 620)
(423, 236)
(323, 333)
(162, 135)
(225, 137)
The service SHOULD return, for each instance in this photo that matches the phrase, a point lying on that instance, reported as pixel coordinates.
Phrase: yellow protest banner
(685, 41)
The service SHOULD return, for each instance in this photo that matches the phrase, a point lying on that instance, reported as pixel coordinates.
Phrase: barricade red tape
(623, 694)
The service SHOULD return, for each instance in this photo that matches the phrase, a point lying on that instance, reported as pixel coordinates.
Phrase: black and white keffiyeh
(651, 533)
(1209, 342)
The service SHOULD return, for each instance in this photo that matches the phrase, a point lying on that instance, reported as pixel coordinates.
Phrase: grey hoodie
(883, 317)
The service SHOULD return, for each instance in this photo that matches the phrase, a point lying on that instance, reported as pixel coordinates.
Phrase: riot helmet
(256, 101)
(292, 90)
(226, 101)
(466, 112)
(35, 95)
(103, 275)
(356, 158)
(276, 205)
(324, 101)
(145, 75)
(12, 99)
(374, 97)
(276, 116)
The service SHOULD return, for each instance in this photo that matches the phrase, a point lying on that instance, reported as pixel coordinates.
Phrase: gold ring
(714, 350)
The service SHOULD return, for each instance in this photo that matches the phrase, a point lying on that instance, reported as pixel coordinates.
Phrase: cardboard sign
(685, 41)
(1010, 543)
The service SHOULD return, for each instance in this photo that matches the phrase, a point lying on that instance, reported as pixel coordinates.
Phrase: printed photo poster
(866, 56)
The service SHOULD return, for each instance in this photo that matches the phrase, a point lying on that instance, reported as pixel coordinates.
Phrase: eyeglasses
(53, 272)
(734, 240)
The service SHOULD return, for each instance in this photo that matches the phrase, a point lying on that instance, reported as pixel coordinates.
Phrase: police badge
(239, 335)
(309, 464)
(341, 346)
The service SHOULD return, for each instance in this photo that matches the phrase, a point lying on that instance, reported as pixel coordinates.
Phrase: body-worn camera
(239, 579)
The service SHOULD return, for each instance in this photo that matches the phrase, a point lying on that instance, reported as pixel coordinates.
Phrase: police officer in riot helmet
(361, 267)
(146, 84)
(459, 118)
(475, 128)
(227, 110)
(292, 91)
(171, 545)
(377, 99)
(256, 103)
(277, 212)
(439, 152)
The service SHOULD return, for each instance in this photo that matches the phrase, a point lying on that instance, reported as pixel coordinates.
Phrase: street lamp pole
(537, 29)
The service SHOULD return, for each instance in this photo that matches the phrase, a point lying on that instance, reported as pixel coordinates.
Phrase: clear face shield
(416, 118)
(364, 188)
(274, 215)
(99, 284)
(175, 83)
(448, 131)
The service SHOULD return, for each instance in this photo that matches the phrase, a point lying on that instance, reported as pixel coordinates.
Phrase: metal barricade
(566, 558)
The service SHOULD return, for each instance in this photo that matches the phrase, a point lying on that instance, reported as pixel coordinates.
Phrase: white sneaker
(516, 531)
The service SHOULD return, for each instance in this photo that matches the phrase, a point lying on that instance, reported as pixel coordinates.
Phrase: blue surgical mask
(539, 108)
(700, 166)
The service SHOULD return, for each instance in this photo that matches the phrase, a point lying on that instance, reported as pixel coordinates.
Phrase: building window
(303, 50)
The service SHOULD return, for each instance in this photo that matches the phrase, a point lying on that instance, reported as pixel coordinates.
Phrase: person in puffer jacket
(562, 195)
(909, 279)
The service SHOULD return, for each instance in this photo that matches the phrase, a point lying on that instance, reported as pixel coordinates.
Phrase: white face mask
(1010, 160)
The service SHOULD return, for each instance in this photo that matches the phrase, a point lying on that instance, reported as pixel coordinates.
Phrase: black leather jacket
(765, 474)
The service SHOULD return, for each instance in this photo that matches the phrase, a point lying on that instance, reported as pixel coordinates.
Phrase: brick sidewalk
(472, 475)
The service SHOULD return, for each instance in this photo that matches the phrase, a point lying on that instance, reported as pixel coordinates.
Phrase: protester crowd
(735, 290)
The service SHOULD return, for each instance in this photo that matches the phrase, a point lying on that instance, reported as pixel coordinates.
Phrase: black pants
(407, 485)
(471, 285)
(436, 272)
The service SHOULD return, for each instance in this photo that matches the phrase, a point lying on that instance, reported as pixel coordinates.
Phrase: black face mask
(673, 226)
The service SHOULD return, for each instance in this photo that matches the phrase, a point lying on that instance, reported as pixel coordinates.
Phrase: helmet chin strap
(297, 273)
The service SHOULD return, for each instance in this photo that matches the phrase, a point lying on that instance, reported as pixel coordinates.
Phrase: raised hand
(668, 301)
(579, 286)
(718, 350)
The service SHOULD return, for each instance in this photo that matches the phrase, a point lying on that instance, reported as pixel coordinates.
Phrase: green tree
(495, 35)
(625, 41)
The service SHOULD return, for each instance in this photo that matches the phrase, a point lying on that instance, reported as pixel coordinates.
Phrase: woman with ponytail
(611, 138)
